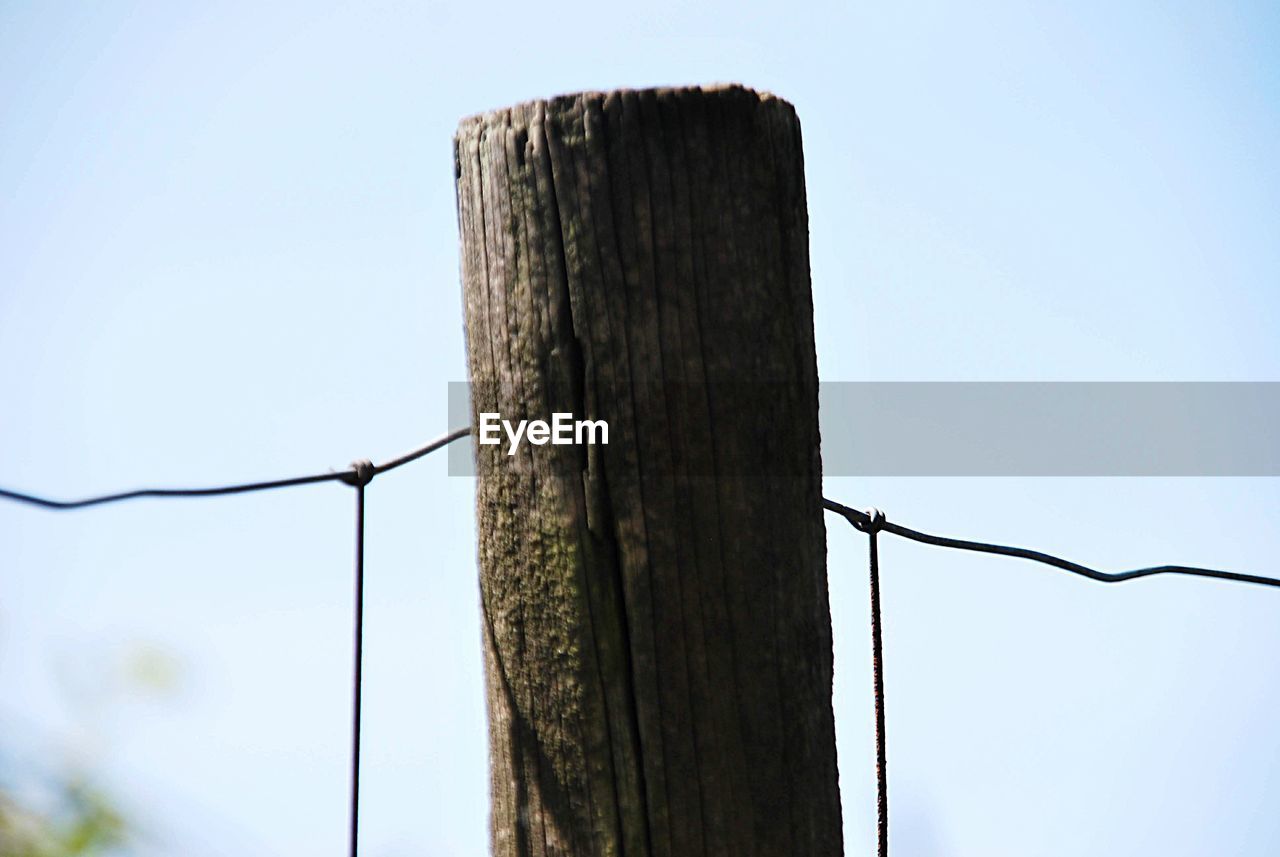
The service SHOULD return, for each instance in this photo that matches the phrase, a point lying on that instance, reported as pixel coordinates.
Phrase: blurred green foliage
(79, 820)
(67, 813)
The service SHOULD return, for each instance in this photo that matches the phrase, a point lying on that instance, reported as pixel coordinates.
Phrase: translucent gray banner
(1027, 428)
(1050, 429)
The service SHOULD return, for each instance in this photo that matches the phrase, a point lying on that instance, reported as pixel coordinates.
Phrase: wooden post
(657, 631)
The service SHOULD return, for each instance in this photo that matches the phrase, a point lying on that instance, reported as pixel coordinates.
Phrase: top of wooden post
(711, 91)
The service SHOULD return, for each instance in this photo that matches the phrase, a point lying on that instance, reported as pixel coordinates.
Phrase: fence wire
(358, 475)
(871, 522)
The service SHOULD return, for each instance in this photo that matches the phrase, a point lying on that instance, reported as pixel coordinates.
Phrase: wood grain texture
(657, 630)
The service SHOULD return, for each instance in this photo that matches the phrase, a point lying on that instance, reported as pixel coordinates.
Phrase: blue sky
(228, 251)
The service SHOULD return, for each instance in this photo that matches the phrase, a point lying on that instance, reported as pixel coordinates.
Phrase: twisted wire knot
(361, 473)
(875, 521)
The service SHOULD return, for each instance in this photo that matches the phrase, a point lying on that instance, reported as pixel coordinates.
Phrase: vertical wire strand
(877, 674)
(356, 682)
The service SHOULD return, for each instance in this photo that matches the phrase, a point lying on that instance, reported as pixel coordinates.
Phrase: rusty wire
(872, 522)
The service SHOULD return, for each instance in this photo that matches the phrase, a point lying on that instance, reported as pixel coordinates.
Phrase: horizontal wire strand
(861, 521)
(346, 476)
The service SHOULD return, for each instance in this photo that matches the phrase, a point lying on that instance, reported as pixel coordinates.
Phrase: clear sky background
(228, 251)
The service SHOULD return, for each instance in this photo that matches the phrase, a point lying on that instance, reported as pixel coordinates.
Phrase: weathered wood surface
(657, 630)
